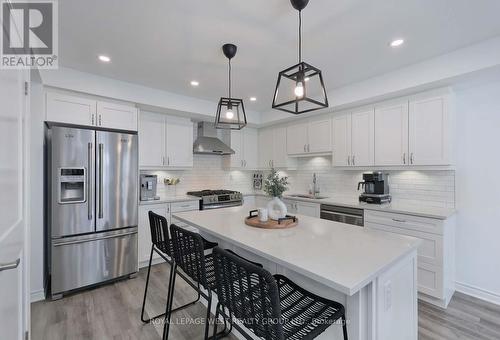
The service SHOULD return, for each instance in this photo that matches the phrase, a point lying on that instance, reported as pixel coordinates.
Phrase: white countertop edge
(171, 199)
(341, 288)
(440, 214)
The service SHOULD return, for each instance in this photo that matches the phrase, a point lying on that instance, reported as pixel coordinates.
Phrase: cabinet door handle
(304, 148)
(8, 266)
(396, 220)
(168, 160)
(353, 160)
(92, 119)
(411, 158)
(308, 148)
(163, 160)
(348, 160)
(404, 157)
(100, 123)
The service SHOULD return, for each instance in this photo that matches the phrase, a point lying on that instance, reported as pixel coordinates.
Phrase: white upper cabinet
(266, 148)
(429, 132)
(62, 108)
(245, 143)
(362, 138)
(273, 149)
(296, 139)
(151, 139)
(391, 134)
(319, 136)
(85, 111)
(116, 116)
(165, 141)
(342, 140)
(179, 142)
(310, 137)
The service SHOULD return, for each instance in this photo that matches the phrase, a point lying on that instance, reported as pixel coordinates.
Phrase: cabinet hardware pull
(304, 148)
(348, 160)
(163, 160)
(411, 158)
(8, 266)
(404, 157)
(100, 124)
(353, 161)
(168, 160)
(308, 148)
(396, 220)
(92, 119)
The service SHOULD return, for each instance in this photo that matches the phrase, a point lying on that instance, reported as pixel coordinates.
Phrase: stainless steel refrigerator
(92, 203)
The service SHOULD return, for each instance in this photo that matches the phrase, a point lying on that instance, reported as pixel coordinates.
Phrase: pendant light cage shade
(230, 111)
(230, 114)
(300, 89)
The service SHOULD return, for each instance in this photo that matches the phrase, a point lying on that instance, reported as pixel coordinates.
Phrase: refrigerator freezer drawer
(84, 261)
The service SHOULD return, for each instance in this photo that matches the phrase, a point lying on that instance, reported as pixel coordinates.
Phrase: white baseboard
(478, 292)
(37, 295)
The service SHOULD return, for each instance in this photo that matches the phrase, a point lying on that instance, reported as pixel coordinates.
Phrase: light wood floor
(113, 312)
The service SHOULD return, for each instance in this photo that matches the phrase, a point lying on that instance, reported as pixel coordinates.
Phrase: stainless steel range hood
(208, 143)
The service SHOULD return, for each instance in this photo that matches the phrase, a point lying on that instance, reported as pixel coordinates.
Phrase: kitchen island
(373, 273)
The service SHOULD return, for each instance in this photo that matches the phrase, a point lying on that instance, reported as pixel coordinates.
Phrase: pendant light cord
(300, 36)
(229, 78)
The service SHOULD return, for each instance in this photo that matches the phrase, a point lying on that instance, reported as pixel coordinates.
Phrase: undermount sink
(316, 197)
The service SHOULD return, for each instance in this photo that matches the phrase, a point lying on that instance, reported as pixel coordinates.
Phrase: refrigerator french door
(93, 207)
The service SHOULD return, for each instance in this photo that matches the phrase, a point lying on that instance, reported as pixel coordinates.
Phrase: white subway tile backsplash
(421, 188)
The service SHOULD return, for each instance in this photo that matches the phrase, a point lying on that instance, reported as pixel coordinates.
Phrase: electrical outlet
(388, 295)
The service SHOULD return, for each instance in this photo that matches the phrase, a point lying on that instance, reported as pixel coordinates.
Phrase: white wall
(478, 200)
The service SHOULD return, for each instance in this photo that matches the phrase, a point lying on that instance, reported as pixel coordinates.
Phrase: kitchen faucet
(315, 187)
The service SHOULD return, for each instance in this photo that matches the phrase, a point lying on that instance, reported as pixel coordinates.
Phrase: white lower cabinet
(302, 208)
(163, 209)
(435, 253)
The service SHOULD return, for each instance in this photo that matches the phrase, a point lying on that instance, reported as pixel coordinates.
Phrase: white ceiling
(165, 44)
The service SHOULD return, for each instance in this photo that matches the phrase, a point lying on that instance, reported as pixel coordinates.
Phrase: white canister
(262, 213)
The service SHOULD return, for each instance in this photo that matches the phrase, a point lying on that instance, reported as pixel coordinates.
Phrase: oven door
(221, 205)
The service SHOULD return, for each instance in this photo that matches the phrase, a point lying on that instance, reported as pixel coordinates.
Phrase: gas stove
(214, 199)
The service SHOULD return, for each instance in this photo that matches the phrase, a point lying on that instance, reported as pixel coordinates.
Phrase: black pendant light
(230, 111)
(300, 88)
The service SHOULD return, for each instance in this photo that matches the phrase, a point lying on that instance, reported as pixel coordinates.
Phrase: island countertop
(341, 256)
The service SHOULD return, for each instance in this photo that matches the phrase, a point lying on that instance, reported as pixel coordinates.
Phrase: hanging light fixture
(300, 88)
(230, 111)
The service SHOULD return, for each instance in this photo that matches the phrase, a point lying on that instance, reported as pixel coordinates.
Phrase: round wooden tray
(270, 224)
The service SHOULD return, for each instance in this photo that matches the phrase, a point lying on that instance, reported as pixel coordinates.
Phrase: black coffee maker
(376, 188)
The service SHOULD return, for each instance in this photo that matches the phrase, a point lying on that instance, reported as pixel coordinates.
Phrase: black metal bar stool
(272, 307)
(189, 255)
(161, 243)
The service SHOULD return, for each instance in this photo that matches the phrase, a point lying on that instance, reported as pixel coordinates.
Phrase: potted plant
(275, 186)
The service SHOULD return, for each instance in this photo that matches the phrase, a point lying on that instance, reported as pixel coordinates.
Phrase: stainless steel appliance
(342, 214)
(376, 188)
(148, 187)
(214, 199)
(92, 210)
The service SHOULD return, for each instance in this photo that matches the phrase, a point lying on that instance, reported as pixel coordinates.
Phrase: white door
(280, 156)
(236, 159)
(63, 108)
(320, 136)
(342, 140)
(179, 142)
(362, 138)
(14, 304)
(116, 116)
(296, 139)
(307, 209)
(250, 148)
(266, 147)
(151, 140)
(429, 131)
(391, 134)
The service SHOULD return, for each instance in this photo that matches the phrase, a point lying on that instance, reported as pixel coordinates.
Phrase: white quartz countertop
(171, 199)
(394, 207)
(339, 255)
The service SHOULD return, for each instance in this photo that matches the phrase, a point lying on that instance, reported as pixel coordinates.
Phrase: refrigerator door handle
(101, 151)
(89, 182)
(94, 239)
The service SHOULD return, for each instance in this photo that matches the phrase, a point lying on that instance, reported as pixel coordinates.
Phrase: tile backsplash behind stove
(421, 188)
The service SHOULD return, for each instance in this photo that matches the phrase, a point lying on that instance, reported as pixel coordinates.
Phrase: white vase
(276, 209)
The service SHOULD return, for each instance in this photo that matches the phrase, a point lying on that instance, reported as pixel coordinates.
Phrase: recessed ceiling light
(396, 42)
(194, 83)
(252, 99)
(104, 58)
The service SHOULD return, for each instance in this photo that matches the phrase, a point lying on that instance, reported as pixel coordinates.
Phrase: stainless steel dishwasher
(342, 214)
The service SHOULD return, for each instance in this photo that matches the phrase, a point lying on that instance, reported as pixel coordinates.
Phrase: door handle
(304, 148)
(92, 119)
(9, 266)
(101, 151)
(100, 120)
(353, 160)
(94, 239)
(411, 158)
(308, 148)
(89, 182)
(348, 160)
(404, 157)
